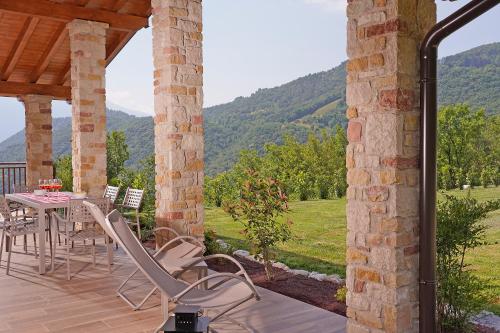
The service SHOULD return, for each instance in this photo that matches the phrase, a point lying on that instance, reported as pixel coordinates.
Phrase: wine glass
(57, 185)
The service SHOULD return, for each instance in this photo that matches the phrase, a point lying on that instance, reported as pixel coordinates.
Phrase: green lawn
(319, 237)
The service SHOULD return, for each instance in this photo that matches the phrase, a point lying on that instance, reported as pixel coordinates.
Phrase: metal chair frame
(77, 213)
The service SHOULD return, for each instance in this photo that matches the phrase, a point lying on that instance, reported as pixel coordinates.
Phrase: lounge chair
(227, 292)
(171, 256)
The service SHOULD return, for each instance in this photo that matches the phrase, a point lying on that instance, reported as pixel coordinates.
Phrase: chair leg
(1, 246)
(52, 263)
(8, 257)
(138, 225)
(109, 251)
(68, 269)
(93, 254)
(50, 244)
(14, 240)
(25, 239)
(34, 241)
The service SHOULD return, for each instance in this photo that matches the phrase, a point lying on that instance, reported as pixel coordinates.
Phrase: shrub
(261, 204)
(460, 294)
(341, 294)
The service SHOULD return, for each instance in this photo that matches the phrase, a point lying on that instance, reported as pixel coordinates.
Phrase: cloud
(331, 5)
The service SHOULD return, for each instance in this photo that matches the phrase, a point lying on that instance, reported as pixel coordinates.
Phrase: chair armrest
(181, 239)
(167, 229)
(226, 276)
(196, 261)
(59, 219)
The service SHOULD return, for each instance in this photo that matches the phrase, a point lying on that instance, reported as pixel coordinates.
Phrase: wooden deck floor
(33, 303)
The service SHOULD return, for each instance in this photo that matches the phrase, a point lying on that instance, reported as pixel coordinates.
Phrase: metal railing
(11, 173)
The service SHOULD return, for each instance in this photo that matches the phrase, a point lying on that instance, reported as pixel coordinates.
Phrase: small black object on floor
(187, 320)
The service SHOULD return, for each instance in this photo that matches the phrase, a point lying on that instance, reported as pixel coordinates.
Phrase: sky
(250, 44)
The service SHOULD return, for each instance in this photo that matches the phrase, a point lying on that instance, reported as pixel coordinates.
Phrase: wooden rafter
(52, 47)
(12, 89)
(118, 45)
(65, 74)
(66, 12)
(19, 45)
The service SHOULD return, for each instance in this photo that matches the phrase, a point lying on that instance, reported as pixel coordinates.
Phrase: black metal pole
(428, 130)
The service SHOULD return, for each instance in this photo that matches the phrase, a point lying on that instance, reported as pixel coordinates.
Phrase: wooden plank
(66, 13)
(18, 48)
(12, 89)
(52, 47)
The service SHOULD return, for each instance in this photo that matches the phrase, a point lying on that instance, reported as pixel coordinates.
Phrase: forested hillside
(312, 102)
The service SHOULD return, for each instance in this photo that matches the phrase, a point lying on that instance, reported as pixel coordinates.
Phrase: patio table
(41, 204)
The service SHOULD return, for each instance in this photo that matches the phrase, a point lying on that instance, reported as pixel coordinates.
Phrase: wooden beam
(12, 89)
(18, 48)
(118, 45)
(118, 5)
(66, 12)
(52, 47)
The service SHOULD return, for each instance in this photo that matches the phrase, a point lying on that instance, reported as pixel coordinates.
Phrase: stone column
(382, 159)
(38, 131)
(178, 83)
(88, 94)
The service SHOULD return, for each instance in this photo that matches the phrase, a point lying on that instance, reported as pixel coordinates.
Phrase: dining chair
(80, 226)
(16, 225)
(133, 201)
(111, 192)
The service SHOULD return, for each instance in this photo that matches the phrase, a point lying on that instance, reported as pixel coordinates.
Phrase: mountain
(307, 104)
(139, 132)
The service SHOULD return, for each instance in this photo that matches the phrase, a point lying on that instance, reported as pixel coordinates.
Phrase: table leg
(41, 239)
(7, 242)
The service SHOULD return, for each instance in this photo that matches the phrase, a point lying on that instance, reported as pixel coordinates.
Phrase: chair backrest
(111, 192)
(22, 188)
(133, 198)
(78, 212)
(99, 216)
(144, 261)
(4, 209)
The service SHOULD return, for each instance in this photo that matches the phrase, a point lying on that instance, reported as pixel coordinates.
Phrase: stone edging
(313, 275)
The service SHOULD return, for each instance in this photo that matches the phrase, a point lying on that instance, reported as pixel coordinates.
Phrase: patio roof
(34, 43)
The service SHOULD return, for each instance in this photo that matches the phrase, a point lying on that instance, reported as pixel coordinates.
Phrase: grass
(319, 238)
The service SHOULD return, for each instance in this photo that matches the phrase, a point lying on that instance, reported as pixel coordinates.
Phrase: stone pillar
(88, 94)
(38, 131)
(382, 159)
(178, 90)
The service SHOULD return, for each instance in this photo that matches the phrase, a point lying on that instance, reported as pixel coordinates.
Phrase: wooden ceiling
(34, 40)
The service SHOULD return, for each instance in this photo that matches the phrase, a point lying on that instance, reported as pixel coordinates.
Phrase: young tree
(117, 154)
(259, 209)
(460, 294)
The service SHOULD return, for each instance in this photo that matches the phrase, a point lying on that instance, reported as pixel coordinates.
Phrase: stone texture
(88, 84)
(382, 161)
(38, 115)
(178, 90)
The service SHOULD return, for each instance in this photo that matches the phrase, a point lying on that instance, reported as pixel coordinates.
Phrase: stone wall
(178, 98)
(382, 160)
(38, 115)
(88, 82)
